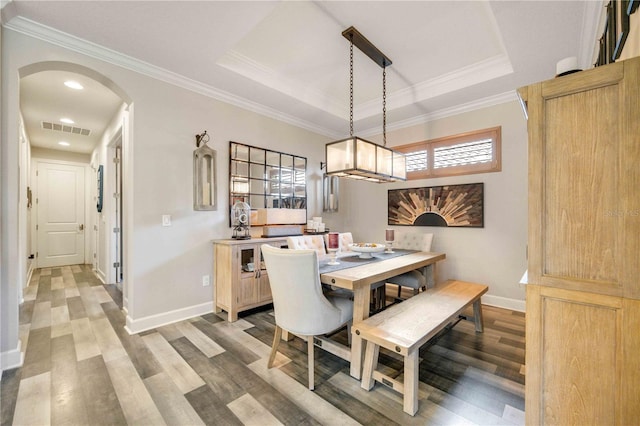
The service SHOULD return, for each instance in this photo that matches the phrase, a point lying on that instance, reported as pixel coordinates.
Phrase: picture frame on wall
(621, 26)
(446, 206)
(100, 185)
(616, 30)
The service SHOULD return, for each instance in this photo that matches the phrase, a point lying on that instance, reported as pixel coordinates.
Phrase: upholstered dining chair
(416, 279)
(299, 305)
(307, 242)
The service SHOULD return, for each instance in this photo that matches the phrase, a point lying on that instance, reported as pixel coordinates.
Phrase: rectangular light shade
(278, 216)
(357, 158)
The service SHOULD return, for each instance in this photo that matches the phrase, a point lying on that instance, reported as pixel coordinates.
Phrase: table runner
(355, 260)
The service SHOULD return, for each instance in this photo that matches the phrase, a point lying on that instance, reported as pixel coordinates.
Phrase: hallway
(81, 367)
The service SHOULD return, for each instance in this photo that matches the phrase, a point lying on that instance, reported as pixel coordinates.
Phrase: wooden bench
(404, 327)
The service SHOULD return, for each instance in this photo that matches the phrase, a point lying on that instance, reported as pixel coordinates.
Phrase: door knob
(82, 226)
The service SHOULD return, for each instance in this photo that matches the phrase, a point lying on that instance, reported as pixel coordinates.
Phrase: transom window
(468, 153)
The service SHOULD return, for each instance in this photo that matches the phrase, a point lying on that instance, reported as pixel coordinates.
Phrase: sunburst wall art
(451, 205)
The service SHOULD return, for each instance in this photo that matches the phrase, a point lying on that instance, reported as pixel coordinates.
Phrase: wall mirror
(267, 180)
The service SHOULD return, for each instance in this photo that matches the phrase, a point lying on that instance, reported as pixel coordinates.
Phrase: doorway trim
(36, 190)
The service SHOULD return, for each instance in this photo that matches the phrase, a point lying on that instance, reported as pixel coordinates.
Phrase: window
(468, 153)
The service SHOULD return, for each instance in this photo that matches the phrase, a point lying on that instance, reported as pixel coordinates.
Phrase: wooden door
(584, 233)
(60, 204)
(582, 182)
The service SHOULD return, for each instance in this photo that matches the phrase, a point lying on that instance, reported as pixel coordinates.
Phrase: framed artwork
(622, 27)
(616, 30)
(100, 188)
(449, 205)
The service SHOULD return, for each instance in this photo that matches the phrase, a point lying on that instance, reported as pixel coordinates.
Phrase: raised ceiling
(288, 59)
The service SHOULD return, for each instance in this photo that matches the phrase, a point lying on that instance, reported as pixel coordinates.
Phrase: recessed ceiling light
(63, 143)
(67, 120)
(73, 85)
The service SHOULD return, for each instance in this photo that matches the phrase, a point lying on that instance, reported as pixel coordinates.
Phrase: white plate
(366, 250)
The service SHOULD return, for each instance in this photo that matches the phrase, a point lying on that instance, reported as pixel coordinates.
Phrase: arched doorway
(100, 115)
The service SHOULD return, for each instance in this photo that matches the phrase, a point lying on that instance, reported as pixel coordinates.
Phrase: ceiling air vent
(47, 125)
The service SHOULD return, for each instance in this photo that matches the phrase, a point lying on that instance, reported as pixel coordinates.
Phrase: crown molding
(479, 72)
(93, 50)
(50, 35)
(7, 11)
(446, 112)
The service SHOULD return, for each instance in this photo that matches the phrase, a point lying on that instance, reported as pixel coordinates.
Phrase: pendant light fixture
(355, 157)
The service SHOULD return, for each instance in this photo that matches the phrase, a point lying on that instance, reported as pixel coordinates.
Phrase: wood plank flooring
(81, 367)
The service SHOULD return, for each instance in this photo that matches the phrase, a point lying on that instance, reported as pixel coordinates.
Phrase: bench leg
(477, 316)
(370, 364)
(411, 383)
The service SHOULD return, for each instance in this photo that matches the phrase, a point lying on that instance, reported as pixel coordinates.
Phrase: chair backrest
(307, 242)
(413, 241)
(298, 303)
(344, 239)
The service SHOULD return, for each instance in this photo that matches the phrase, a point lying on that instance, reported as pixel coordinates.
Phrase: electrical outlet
(206, 280)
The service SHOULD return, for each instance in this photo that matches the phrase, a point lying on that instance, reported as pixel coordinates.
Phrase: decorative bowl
(366, 249)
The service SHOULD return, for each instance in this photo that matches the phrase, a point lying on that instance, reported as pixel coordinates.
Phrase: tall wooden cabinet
(237, 287)
(583, 297)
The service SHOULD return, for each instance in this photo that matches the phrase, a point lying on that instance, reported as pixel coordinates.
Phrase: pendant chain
(384, 105)
(351, 87)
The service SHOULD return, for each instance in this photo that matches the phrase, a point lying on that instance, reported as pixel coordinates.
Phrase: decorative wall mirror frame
(267, 179)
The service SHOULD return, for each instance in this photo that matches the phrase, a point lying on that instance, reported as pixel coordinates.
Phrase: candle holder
(333, 246)
(389, 237)
(333, 253)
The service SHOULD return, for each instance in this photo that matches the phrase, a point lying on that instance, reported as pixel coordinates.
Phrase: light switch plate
(166, 220)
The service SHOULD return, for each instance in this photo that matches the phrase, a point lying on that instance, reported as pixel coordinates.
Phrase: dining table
(360, 277)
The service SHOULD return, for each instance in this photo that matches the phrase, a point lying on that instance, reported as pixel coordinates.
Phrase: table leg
(361, 300)
(430, 275)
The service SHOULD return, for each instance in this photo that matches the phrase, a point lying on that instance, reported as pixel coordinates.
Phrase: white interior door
(60, 206)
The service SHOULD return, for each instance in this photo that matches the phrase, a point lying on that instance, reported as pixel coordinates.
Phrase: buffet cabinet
(583, 296)
(241, 279)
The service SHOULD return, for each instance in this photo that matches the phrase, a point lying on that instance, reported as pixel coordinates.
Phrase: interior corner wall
(166, 264)
(3, 281)
(10, 355)
(494, 255)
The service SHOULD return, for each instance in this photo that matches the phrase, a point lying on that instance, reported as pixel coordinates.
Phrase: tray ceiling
(289, 60)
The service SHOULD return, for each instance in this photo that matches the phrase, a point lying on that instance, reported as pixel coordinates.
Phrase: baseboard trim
(504, 302)
(29, 274)
(101, 276)
(12, 359)
(153, 321)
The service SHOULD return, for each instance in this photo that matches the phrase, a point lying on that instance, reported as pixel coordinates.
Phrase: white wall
(10, 273)
(103, 220)
(495, 254)
(165, 264)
